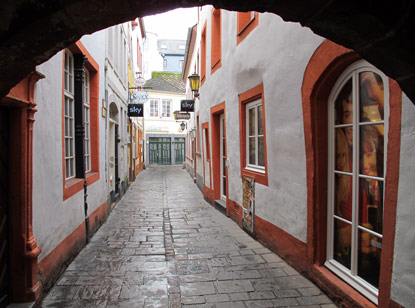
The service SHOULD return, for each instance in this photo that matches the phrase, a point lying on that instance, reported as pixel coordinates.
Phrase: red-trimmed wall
(323, 69)
(51, 266)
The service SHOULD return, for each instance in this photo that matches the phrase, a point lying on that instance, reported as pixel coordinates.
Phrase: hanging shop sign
(139, 97)
(135, 110)
(187, 105)
(248, 203)
(139, 81)
(181, 115)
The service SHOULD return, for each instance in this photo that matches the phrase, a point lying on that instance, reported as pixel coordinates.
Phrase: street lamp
(194, 84)
(182, 125)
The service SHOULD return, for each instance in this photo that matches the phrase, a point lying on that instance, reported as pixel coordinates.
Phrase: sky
(172, 24)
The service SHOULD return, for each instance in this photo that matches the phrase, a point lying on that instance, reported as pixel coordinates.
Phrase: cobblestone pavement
(164, 246)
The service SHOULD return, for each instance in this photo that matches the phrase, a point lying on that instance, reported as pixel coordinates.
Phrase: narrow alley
(164, 246)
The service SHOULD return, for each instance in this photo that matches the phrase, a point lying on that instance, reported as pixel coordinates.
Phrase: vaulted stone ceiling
(383, 32)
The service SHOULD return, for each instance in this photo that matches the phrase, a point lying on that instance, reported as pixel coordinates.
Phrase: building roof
(171, 47)
(166, 82)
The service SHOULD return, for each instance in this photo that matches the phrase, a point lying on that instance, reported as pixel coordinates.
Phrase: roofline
(190, 43)
(142, 27)
(164, 92)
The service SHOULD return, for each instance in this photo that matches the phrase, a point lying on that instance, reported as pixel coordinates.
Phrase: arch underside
(33, 31)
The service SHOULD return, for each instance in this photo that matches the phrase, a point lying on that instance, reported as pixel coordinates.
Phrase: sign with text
(135, 110)
(139, 97)
(187, 105)
(181, 115)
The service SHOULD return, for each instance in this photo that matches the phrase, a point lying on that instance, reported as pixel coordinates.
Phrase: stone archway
(381, 32)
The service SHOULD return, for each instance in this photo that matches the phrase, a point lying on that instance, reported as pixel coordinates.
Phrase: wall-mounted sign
(181, 115)
(139, 97)
(135, 110)
(248, 203)
(187, 105)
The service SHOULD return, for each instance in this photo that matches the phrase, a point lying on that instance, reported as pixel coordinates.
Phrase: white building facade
(69, 122)
(279, 107)
(164, 136)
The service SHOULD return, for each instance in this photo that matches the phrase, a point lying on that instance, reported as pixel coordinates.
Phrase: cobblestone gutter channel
(164, 246)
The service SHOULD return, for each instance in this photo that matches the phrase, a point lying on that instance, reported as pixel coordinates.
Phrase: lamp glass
(194, 82)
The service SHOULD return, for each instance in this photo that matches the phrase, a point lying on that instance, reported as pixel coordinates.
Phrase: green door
(179, 150)
(160, 151)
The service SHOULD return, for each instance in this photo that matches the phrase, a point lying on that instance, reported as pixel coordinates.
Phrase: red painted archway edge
(323, 69)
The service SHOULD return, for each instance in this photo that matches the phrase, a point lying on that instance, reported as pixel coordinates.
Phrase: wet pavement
(164, 246)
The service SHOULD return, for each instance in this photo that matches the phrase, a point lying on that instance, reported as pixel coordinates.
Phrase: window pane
(371, 204)
(70, 127)
(67, 167)
(66, 147)
(69, 107)
(344, 105)
(66, 81)
(66, 126)
(224, 166)
(260, 128)
(70, 78)
(251, 121)
(343, 196)
(261, 156)
(344, 149)
(252, 151)
(371, 97)
(371, 150)
(370, 249)
(66, 106)
(342, 242)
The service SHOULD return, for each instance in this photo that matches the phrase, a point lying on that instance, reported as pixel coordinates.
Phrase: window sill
(259, 177)
(215, 66)
(257, 170)
(74, 185)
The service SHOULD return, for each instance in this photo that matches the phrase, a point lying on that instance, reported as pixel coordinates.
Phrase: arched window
(357, 109)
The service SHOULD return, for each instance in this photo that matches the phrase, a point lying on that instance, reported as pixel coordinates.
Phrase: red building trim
(74, 185)
(51, 265)
(216, 40)
(245, 25)
(245, 98)
(24, 284)
(206, 145)
(323, 69)
(203, 56)
(215, 113)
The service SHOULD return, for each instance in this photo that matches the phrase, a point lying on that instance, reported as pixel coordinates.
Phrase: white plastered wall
(275, 54)
(403, 273)
(53, 218)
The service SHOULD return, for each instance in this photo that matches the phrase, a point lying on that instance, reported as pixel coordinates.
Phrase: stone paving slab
(164, 246)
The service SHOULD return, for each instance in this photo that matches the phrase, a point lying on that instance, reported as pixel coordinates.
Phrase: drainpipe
(79, 61)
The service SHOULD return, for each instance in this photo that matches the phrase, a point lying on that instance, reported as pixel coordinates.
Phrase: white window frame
(165, 108)
(222, 156)
(253, 167)
(87, 122)
(350, 276)
(154, 110)
(69, 115)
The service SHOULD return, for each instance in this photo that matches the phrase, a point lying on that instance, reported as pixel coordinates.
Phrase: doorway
(179, 150)
(222, 158)
(160, 151)
(113, 160)
(219, 159)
